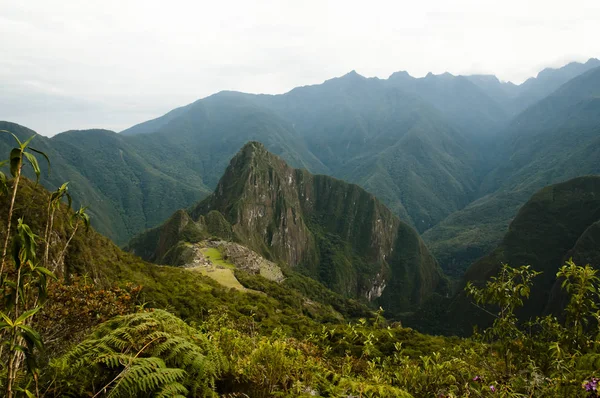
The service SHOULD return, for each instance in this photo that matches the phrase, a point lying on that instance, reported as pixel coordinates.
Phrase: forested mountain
(554, 140)
(557, 223)
(438, 151)
(124, 191)
(330, 230)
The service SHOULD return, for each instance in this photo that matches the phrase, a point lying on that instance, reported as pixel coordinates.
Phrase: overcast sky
(111, 64)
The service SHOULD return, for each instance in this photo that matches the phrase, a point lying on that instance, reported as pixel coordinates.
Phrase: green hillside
(125, 192)
(558, 222)
(112, 324)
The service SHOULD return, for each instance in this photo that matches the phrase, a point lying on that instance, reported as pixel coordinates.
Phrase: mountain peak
(400, 75)
(593, 61)
(352, 75)
(445, 75)
(251, 152)
(253, 146)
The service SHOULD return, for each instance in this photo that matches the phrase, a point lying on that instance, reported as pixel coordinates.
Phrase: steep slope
(461, 101)
(558, 222)
(516, 98)
(125, 193)
(549, 79)
(392, 143)
(201, 139)
(133, 183)
(333, 231)
(503, 93)
(554, 140)
(420, 145)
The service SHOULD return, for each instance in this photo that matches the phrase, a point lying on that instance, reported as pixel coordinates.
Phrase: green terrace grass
(224, 276)
(215, 257)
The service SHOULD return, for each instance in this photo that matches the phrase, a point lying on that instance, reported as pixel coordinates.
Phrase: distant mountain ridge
(429, 148)
(554, 140)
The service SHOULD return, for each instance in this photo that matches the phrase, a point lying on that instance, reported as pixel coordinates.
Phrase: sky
(112, 64)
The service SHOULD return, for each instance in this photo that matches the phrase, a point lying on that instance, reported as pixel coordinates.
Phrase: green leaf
(24, 145)
(44, 155)
(31, 336)
(7, 319)
(45, 271)
(14, 136)
(28, 393)
(16, 158)
(34, 164)
(25, 315)
(3, 183)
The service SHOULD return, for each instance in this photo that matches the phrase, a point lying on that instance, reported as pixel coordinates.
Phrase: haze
(112, 64)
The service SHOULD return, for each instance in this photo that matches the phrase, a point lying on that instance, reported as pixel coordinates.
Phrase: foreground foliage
(153, 352)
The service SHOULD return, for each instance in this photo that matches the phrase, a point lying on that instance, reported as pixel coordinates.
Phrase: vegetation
(557, 223)
(80, 317)
(113, 325)
(128, 193)
(215, 256)
(153, 352)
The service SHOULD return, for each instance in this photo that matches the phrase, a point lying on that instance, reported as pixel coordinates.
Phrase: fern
(146, 354)
(147, 375)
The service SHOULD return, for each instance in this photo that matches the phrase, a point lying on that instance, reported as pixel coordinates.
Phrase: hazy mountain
(462, 102)
(556, 139)
(135, 182)
(333, 231)
(516, 98)
(393, 143)
(549, 79)
(423, 146)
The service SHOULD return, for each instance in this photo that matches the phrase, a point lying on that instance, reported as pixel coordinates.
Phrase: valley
(400, 237)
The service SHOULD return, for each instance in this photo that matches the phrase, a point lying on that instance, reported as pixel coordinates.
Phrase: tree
(28, 289)
(53, 205)
(506, 291)
(79, 217)
(17, 155)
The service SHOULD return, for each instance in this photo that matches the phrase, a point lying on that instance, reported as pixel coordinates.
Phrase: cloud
(113, 64)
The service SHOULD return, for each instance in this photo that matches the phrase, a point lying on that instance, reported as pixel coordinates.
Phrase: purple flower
(477, 378)
(591, 386)
(493, 388)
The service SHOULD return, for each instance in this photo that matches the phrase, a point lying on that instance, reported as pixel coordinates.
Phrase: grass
(221, 270)
(224, 276)
(215, 257)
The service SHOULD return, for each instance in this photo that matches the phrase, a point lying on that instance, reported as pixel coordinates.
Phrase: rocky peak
(339, 233)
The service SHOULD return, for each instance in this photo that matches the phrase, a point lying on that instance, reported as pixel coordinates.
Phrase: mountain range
(452, 156)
